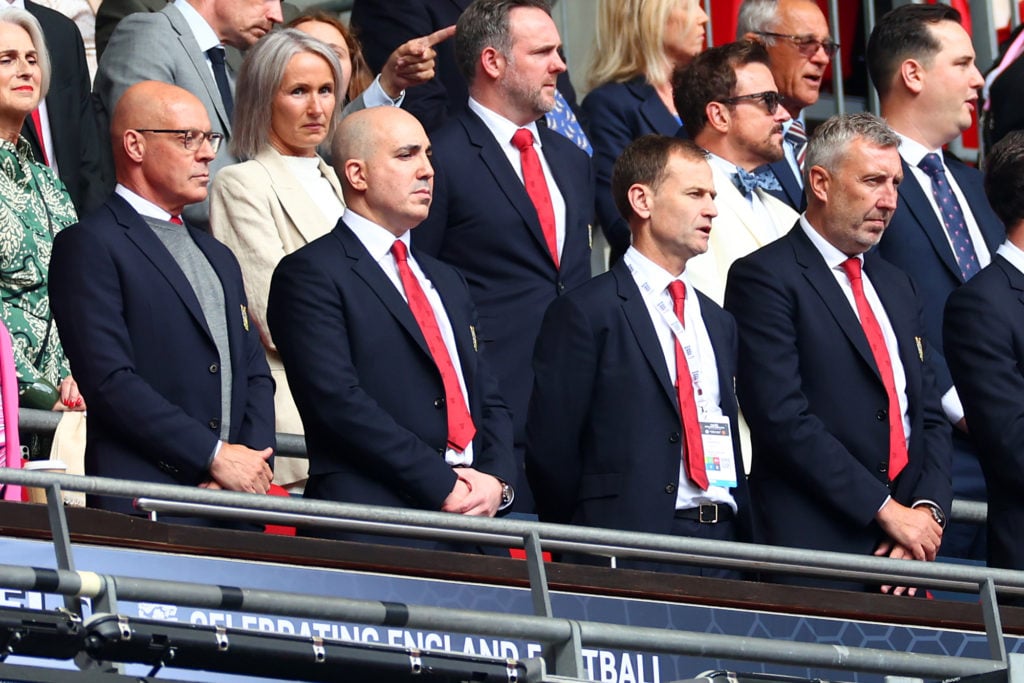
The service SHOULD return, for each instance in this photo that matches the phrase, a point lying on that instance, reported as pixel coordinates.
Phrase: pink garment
(10, 451)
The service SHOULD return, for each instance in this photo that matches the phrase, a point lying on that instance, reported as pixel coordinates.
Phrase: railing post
(538, 575)
(993, 623)
(61, 539)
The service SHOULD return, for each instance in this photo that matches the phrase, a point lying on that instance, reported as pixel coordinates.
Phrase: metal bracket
(538, 575)
(566, 658)
(993, 623)
(61, 539)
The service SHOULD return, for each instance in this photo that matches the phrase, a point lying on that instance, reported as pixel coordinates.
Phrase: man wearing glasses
(921, 61)
(152, 313)
(796, 35)
(729, 105)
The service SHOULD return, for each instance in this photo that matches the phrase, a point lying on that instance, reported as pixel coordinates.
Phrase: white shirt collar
(832, 255)
(201, 29)
(377, 240)
(913, 151)
(646, 270)
(501, 128)
(1012, 253)
(142, 205)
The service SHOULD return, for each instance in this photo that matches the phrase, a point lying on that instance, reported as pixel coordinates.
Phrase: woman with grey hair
(34, 206)
(288, 97)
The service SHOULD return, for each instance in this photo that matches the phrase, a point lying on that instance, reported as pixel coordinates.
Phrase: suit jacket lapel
(198, 59)
(900, 318)
(294, 198)
(639, 319)
(970, 182)
(370, 272)
(737, 205)
(151, 246)
(913, 197)
(791, 192)
(505, 176)
(824, 282)
(652, 109)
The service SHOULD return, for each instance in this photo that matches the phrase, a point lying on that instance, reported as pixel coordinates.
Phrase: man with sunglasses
(944, 231)
(796, 35)
(152, 314)
(730, 107)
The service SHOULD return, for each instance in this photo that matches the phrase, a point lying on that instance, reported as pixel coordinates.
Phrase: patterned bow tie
(746, 181)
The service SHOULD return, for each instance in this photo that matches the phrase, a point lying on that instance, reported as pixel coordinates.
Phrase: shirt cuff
(213, 456)
(952, 407)
(374, 96)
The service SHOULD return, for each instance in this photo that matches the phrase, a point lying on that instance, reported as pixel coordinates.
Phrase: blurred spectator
(83, 13)
(154, 312)
(512, 199)
(355, 74)
(35, 208)
(284, 196)
(638, 45)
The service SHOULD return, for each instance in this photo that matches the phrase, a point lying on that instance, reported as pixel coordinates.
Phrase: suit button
(671, 488)
(883, 467)
(214, 369)
(440, 451)
(561, 286)
(439, 403)
(881, 415)
(214, 424)
(673, 437)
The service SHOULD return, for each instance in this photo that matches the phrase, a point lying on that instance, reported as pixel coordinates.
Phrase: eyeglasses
(191, 138)
(807, 45)
(769, 98)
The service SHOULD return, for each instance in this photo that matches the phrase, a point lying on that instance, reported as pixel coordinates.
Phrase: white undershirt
(307, 171)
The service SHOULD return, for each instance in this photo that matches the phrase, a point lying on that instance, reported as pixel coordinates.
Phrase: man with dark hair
(632, 423)
(984, 336)
(512, 200)
(943, 231)
(730, 107)
(850, 451)
(796, 35)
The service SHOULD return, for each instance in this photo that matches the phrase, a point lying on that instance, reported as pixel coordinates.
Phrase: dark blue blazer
(366, 386)
(617, 114)
(810, 390)
(483, 223)
(604, 432)
(916, 242)
(792, 191)
(383, 26)
(143, 356)
(984, 335)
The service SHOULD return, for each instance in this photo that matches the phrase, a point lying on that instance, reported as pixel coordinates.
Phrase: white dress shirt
(653, 281)
(378, 241)
(770, 230)
(502, 129)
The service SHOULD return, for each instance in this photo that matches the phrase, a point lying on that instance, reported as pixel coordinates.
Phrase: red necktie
(537, 188)
(37, 124)
(460, 423)
(694, 459)
(872, 330)
(177, 220)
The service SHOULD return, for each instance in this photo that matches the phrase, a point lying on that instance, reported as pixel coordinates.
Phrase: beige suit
(261, 212)
(736, 232)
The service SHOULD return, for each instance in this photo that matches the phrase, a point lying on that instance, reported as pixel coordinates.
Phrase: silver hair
(259, 79)
(20, 17)
(757, 16)
(831, 139)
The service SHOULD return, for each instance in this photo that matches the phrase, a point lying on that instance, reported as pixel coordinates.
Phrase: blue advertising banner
(606, 666)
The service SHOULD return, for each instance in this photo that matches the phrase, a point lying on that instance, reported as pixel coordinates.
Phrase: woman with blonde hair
(638, 45)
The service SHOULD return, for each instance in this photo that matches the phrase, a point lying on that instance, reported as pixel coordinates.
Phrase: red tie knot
(677, 290)
(399, 251)
(523, 139)
(851, 267)
(177, 220)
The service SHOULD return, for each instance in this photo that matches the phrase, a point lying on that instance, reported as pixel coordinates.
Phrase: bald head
(157, 165)
(382, 156)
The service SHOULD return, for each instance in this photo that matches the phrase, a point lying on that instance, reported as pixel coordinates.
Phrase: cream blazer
(736, 232)
(261, 212)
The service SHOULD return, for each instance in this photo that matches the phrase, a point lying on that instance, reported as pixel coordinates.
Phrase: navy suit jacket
(70, 109)
(383, 26)
(617, 114)
(792, 191)
(483, 223)
(988, 369)
(604, 432)
(813, 397)
(143, 356)
(916, 242)
(366, 386)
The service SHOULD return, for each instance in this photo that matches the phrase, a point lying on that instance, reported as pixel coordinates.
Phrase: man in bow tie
(730, 106)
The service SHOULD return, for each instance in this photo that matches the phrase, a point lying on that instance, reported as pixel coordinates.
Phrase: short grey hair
(259, 79)
(831, 139)
(757, 16)
(20, 17)
(484, 24)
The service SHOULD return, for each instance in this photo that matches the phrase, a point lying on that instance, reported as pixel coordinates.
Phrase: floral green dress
(34, 206)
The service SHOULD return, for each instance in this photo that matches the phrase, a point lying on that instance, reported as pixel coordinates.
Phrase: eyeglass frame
(804, 43)
(214, 138)
(771, 99)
